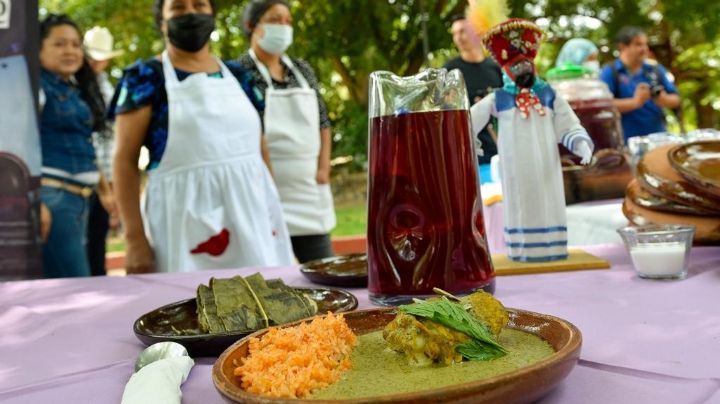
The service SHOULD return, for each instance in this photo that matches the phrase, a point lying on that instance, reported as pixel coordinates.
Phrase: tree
(346, 40)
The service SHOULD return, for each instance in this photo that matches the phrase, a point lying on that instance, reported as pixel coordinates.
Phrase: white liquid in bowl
(659, 259)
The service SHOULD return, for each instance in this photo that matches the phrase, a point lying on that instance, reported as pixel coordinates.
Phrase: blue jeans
(64, 251)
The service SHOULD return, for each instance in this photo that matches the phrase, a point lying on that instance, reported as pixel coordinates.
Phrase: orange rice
(292, 362)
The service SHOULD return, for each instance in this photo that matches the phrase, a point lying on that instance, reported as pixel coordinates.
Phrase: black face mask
(190, 32)
(525, 80)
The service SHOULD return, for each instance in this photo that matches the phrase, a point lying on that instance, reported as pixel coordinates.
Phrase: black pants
(97, 230)
(308, 248)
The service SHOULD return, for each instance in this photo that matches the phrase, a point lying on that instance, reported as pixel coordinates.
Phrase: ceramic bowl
(523, 385)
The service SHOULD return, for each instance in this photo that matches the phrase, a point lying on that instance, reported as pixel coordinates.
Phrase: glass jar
(425, 218)
(592, 102)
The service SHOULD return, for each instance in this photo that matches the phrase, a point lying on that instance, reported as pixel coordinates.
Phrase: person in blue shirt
(641, 89)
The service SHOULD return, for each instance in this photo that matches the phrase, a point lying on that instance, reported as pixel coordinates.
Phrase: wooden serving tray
(578, 260)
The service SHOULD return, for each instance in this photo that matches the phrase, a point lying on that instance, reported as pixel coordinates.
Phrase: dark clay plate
(346, 270)
(658, 176)
(707, 228)
(523, 385)
(699, 163)
(646, 199)
(163, 324)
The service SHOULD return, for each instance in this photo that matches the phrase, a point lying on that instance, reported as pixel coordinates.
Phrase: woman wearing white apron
(210, 201)
(296, 127)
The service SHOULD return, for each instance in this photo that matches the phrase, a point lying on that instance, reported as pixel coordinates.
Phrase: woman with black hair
(210, 201)
(296, 126)
(72, 108)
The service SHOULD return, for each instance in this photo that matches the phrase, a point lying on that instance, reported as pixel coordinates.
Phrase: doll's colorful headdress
(506, 39)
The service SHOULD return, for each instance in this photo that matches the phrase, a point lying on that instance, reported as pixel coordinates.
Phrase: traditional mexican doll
(531, 122)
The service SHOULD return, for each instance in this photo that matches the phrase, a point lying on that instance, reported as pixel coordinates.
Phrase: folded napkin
(158, 382)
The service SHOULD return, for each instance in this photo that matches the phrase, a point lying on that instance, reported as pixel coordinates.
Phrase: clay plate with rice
(353, 358)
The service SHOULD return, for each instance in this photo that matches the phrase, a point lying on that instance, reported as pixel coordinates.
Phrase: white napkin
(158, 382)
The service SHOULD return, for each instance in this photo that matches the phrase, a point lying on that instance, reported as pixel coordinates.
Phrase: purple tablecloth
(71, 341)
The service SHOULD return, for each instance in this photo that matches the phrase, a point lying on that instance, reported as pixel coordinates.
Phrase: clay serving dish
(162, 324)
(604, 178)
(644, 198)
(345, 270)
(699, 163)
(658, 176)
(707, 229)
(523, 385)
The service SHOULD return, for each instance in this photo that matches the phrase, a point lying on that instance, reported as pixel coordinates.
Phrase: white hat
(99, 44)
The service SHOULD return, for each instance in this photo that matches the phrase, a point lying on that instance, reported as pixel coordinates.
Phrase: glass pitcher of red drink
(425, 220)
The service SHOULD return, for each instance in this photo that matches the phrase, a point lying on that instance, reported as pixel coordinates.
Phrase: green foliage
(346, 40)
(351, 220)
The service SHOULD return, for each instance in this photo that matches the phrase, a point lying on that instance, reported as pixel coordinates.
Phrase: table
(71, 341)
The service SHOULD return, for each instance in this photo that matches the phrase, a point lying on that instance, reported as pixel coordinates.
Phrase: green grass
(351, 221)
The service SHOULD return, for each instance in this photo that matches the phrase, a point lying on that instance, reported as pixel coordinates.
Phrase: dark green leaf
(452, 315)
(476, 350)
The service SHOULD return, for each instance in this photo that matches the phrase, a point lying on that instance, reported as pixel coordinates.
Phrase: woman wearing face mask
(296, 126)
(210, 201)
(580, 52)
(72, 108)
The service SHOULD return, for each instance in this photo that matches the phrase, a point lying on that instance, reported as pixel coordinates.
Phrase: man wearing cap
(98, 43)
(532, 121)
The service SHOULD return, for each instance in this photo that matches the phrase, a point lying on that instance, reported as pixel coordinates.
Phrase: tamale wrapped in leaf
(237, 307)
(309, 304)
(279, 304)
(249, 304)
(207, 311)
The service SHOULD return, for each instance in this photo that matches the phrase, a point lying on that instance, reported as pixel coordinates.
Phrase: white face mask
(593, 65)
(276, 38)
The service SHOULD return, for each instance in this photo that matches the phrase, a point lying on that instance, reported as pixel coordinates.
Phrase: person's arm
(131, 128)
(107, 200)
(642, 94)
(323, 171)
(667, 100)
(669, 97)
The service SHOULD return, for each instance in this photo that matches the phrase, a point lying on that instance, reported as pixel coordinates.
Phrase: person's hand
(139, 258)
(107, 200)
(322, 177)
(642, 94)
(45, 222)
(583, 150)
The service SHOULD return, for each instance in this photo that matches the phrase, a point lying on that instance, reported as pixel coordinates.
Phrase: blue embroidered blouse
(143, 83)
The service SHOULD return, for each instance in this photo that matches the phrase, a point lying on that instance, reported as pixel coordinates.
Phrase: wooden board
(577, 261)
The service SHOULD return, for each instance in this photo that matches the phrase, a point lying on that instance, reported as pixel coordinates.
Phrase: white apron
(211, 203)
(532, 182)
(292, 129)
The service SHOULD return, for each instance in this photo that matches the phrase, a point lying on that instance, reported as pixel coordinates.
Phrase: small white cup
(659, 251)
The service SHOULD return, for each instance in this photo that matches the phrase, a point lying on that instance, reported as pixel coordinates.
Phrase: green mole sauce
(379, 371)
